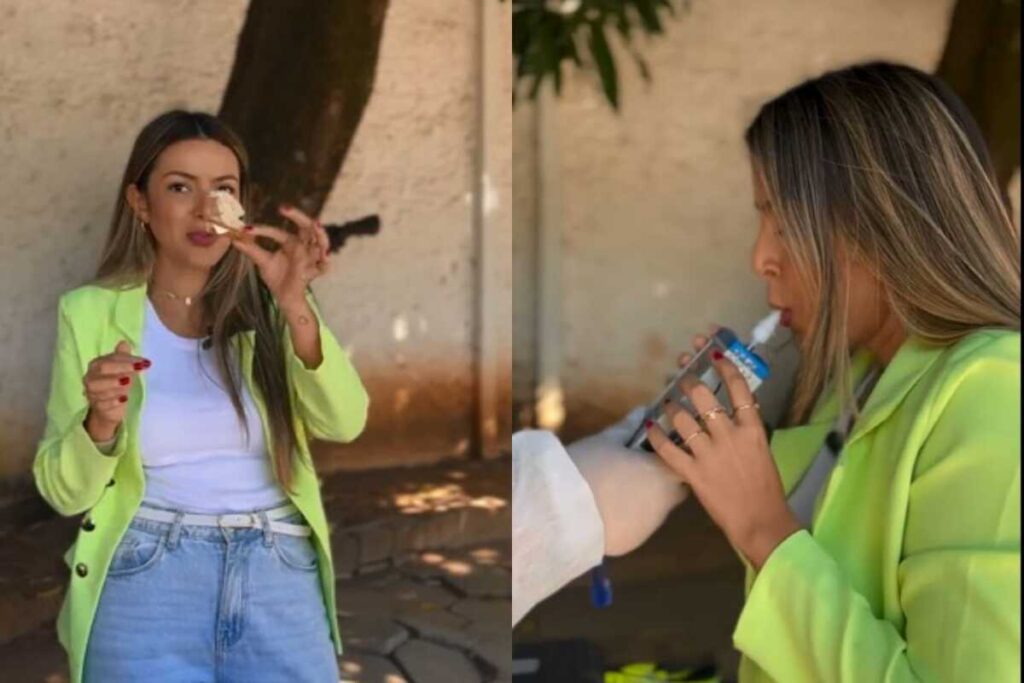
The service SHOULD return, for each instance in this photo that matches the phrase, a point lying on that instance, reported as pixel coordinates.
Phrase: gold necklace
(187, 300)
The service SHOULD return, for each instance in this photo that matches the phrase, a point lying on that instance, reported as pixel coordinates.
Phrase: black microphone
(361, 227)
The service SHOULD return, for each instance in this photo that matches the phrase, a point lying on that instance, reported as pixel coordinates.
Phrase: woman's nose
(200, 205)
(764, 260)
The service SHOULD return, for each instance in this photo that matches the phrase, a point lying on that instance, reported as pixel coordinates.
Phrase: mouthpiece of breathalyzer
(765, 329)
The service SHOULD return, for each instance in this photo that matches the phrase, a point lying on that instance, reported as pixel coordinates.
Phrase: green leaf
(605, 64)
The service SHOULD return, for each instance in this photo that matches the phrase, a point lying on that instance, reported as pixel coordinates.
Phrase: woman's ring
(712, 414)
(746, 406)
(693, 436)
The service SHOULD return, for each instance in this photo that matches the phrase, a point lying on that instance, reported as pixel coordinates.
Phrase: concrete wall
(78, 80)
(657, 221)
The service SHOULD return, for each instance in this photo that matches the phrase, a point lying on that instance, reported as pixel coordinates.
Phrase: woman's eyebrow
(230, 176)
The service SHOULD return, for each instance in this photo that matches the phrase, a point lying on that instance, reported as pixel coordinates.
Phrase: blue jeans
(198, 604)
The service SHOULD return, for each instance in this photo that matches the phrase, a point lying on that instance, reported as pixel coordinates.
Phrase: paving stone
(483, 582)
(398, 596)
(374, 568)
(496, 650)
(497, 554)
(21, 614)
(379, 635)
(375, 543)
(345, 548)
(364, 668)
(35, 656)
(436, 531)
(490, 616)
(431, 663)
(443, 627)
(480, 526)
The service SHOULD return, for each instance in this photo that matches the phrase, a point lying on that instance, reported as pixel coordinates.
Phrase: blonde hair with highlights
(234, 298)
(884, 164)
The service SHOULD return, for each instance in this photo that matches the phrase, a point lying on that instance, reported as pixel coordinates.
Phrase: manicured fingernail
(648, 424)
(139, 365)
(248, 228)
(124, 381)
(717, 355)
(146, 363)
(122, 399)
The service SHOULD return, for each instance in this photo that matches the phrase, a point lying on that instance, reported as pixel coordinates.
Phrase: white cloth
(557, 532)
(194, 450)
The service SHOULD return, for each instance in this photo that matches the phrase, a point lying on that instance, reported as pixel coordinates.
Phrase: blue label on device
(749, 360)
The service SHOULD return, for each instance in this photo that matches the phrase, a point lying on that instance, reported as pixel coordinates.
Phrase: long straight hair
(234, 299)
(883, 163)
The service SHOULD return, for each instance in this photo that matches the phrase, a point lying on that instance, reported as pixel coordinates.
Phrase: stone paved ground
(424, 583)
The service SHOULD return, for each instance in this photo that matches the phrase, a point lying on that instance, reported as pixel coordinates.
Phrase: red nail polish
(122, 399)
(717, 355)
(648, 424)
(124, 381)
(139, 365)
(146, 363)
(248, 228)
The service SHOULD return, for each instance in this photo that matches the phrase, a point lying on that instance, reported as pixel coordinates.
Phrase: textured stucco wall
(657, 216)
(77, 81)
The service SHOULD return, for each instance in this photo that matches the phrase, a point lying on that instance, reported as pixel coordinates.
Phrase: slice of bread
(225, 213)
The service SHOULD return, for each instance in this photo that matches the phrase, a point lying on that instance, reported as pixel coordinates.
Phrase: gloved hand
(634, 490)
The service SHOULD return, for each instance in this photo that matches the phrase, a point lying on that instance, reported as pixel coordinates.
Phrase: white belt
(250, 520)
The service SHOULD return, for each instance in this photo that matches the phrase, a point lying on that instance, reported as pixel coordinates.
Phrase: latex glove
(634, 490)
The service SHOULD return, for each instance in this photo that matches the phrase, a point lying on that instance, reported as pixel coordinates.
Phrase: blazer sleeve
(329, 399)
(959, 576)
(70, 472)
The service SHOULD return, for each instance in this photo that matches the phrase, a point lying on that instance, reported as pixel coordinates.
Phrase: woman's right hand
(107, 382)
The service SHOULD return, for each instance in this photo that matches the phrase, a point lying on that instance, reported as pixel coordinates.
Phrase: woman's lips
(201, 239)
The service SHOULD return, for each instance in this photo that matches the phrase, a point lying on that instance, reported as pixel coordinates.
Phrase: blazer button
(81, 570)
(110, 483)
(87, 524)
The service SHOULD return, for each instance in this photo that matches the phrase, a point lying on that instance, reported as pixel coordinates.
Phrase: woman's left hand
(300, 258)
(729, 465)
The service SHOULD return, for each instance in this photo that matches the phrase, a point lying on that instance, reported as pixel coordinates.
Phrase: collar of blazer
(128, 313)
(794, 447)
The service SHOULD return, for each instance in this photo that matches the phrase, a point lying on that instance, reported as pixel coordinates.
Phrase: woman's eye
(178, 187)
(227, 188)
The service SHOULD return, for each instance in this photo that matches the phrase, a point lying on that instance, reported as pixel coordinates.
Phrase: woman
(187, 379)
(887, 244)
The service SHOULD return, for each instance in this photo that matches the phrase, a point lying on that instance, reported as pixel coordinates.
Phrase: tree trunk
(297, 91)
(982, 64)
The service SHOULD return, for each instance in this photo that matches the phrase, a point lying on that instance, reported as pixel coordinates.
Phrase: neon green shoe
(648, 672)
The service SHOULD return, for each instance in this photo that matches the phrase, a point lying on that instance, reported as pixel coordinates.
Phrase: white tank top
(195, 453)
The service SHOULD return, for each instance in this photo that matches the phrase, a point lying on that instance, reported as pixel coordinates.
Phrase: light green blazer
(329, 403)
(911, 569)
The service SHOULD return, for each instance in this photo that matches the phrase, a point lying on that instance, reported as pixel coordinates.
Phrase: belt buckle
(244, 521)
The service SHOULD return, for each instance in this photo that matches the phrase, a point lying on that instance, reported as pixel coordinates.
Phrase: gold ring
(712, 414)
(755, 405)
(693, 436)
